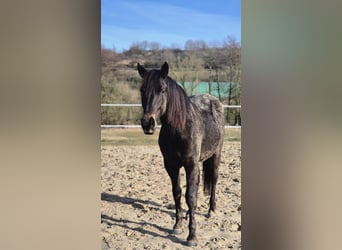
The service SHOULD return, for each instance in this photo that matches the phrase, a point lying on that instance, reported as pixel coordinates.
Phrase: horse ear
(142, 70)
(164, 70)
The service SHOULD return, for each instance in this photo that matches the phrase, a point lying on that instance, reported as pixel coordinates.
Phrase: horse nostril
(144, 122)
(147, 122)
(151, 122)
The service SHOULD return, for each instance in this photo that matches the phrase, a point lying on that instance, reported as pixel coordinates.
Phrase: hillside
(190, 67)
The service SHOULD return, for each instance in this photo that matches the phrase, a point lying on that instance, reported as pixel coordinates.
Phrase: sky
(168, 22)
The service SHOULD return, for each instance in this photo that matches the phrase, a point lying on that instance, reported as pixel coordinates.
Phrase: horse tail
(208, 176)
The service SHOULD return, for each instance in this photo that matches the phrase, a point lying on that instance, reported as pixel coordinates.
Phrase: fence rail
(119, 105)
(139, 105)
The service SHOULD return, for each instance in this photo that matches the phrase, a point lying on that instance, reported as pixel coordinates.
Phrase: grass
(135, 136)
(127, 136)
(232, 135)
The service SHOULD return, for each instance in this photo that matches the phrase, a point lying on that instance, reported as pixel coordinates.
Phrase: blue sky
(168, 22)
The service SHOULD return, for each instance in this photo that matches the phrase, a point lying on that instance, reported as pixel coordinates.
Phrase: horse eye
(163, 91)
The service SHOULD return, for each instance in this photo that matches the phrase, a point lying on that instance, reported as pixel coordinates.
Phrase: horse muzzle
(149, 124)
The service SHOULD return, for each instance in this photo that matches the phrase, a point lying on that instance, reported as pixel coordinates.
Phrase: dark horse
(191, 132)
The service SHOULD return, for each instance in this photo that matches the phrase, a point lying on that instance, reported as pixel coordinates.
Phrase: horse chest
(175, 147)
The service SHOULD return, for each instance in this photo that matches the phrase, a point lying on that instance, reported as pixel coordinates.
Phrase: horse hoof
(210, 214)
(191, 243)
(177, 231)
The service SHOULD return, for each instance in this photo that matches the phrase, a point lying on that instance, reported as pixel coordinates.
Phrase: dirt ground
(137, 207)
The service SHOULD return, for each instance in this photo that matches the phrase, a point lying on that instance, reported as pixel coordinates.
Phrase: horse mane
(177, 105)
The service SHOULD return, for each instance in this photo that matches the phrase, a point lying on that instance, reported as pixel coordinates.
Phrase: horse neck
(177, 107)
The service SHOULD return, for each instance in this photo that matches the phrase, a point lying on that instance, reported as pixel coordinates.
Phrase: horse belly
(210, 143)
(208, 150)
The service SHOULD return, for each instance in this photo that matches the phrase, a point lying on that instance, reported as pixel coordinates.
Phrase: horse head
(153, 96)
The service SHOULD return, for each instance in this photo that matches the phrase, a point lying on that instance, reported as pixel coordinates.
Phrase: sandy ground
(137, 207)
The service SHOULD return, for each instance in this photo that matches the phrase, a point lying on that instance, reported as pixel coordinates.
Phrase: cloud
(127, 22)
(121, 38)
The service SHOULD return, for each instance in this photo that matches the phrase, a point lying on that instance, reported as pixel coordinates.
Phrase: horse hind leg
(210, 176)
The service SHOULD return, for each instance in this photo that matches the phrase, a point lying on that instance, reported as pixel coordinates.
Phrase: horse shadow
(137, 225)
(126, 200)
(135, 202)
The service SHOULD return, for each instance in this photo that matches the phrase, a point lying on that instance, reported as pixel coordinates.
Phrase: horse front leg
(192, 182)
(173, 172)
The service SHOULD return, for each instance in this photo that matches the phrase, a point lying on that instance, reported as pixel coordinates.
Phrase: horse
(192, 132)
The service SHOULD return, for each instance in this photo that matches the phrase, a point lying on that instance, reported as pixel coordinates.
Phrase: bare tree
(232, 54)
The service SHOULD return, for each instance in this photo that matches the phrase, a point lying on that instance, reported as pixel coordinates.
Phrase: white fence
(139, 105)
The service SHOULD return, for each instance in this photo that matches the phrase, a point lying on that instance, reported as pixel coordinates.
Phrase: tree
(154, 46)
(232, 54)
(233, 60)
